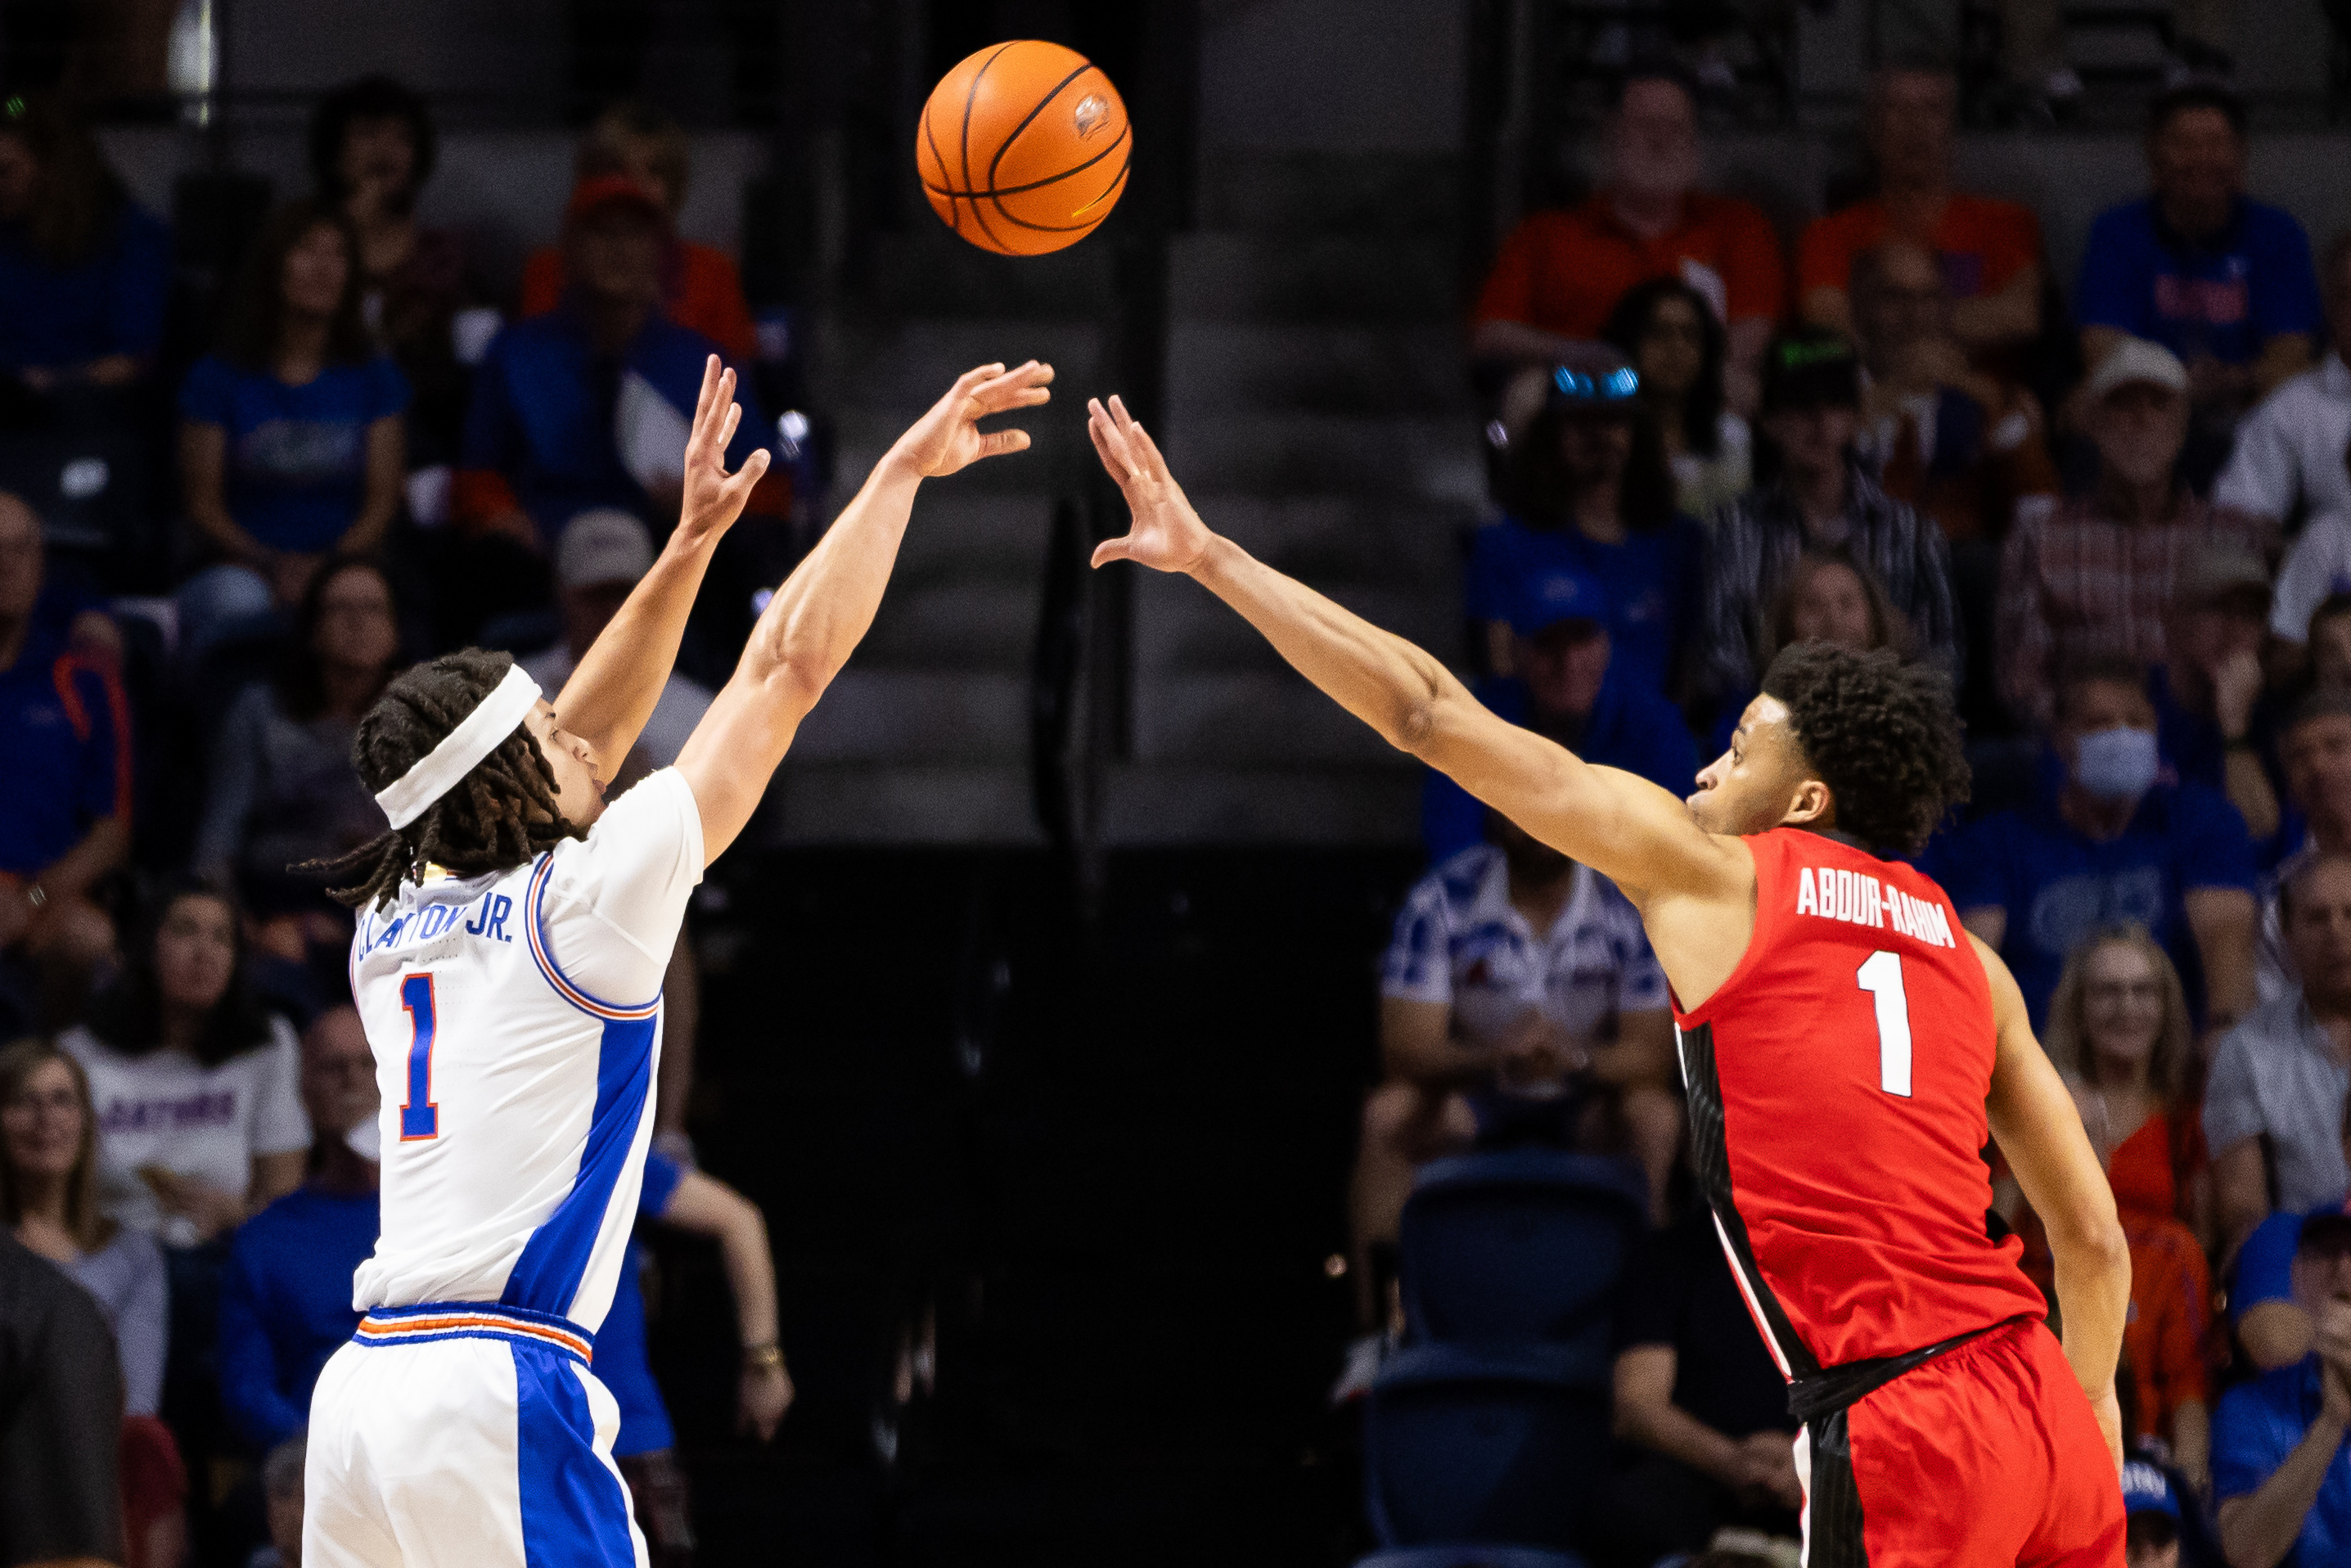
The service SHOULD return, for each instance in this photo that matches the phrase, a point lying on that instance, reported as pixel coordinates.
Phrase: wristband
(766, 1356)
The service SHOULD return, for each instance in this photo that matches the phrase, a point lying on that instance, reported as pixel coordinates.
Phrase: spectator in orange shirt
(2119, 1032)
(1560, 273)
(700, 286)
(1989, 250)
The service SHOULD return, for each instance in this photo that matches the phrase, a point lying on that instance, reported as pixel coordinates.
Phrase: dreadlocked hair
(1881, 735)
(501, 815)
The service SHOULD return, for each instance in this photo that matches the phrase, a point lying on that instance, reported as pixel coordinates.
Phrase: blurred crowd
(226, 523)
(2115, 510)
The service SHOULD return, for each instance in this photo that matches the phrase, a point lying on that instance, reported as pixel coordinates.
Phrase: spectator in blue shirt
(589, 405)
(644, 1447)
(84, 272)
(2281, 1473)
(65, 732)
(1591, 498)
(286, 1290)
(2108, 844)
(291, 446)
(2273, 1323)
(1575, 686)
(2222, 281)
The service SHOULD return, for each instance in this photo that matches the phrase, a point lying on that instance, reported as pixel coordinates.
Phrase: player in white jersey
(511, 939)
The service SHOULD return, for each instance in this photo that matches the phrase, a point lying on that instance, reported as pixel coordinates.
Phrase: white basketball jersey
(515, 1022)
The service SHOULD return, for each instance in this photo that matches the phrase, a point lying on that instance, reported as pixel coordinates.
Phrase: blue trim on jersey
(575, 1512)
(555, 1260)
(543, 955)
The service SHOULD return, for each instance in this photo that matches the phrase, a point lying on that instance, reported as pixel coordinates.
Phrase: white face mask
(2117, 764)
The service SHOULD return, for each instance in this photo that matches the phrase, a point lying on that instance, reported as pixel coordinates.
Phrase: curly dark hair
(1882, 735)
(501, 815)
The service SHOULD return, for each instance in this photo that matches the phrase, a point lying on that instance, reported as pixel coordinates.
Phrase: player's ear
(1812, 806)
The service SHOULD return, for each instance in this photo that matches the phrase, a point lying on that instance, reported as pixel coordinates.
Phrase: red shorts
(1986, 1457)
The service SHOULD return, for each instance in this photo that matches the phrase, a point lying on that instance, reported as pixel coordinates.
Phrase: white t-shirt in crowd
(680, 706)
(2319, 564)
(166, 1108)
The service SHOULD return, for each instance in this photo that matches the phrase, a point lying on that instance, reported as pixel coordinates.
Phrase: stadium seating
(1523, 1247)
(1464, 1445)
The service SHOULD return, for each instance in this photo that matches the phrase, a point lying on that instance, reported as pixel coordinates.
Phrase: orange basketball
(1023, 148)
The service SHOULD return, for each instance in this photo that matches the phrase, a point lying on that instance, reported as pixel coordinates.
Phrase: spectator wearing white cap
(2093, 578)
(602, 553)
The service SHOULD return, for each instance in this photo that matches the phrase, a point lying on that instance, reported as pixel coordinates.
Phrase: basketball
(1023, 148)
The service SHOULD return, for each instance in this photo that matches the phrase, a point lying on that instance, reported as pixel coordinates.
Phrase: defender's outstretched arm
(815, 621)
(2040, 1130)
(1623, 827)
(611, 694)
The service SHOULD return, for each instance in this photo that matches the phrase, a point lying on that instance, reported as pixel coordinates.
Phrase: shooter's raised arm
(816, 619)
(1627, 828)
(611, 694)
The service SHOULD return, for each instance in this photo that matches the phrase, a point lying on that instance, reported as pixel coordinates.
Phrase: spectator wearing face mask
(1560, 273)
(2274, 1105)
(2108, 844)
(1590, 500)
(1571, 687)
(2093, 578)
(1815, 494)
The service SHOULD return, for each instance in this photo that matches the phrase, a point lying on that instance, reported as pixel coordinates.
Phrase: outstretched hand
(948, 438)
(1167, 535)
(714, 498)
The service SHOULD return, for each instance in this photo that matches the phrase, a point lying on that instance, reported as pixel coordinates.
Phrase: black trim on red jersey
(1833, 1534)
(1713, 1163)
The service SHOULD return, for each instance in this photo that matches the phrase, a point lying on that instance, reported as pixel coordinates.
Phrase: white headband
(460, 750)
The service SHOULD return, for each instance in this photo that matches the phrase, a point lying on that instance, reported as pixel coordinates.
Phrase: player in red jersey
(1847, 1048)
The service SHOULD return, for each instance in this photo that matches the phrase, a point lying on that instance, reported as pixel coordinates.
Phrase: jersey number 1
(419, 1116)
(1881, 975)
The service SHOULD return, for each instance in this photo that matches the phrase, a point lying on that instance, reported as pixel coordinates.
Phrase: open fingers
(743, 479)
(710, 371)
(1109, 550)
(1025, 386)
(1117, 455)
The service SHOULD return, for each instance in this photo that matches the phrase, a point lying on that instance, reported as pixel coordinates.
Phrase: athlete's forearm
(751, 1276)
(2093, 1275)
(822, 610)
(1386, 682)
(611, 694)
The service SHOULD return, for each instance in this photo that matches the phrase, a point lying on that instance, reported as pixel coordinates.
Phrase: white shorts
(458, 1434)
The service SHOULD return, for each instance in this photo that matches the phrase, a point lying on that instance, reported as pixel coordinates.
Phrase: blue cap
(2145, 1489)
(1556, 592)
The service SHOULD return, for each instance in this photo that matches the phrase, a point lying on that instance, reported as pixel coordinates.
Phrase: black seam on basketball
(979, 216)
(1030, 119)
(931, 136)
(971, 93)
(1063, 228)
(1035, 184)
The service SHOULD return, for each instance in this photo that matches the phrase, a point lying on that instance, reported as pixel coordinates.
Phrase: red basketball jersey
(1836, 1090)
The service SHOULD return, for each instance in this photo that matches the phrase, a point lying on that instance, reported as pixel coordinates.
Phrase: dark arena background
(1089, 991)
